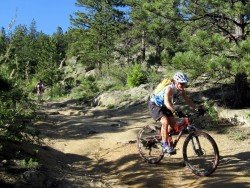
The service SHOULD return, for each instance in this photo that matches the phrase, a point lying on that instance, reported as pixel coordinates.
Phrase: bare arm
(168, 100)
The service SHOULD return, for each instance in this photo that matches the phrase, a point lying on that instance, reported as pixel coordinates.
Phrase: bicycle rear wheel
(149, 144)
(200, 153)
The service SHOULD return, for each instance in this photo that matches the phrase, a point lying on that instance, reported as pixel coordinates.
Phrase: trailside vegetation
(116, 44)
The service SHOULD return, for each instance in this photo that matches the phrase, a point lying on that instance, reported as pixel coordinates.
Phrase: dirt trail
(95, 147)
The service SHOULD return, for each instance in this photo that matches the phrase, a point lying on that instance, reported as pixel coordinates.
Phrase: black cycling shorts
(157, 112)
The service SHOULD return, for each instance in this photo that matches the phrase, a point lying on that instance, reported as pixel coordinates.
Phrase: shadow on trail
(127, 170)
(227, 174)
(131, 170)
(60, 126)
(170, 172)
(51, 157)
(134, 172)
(53, 165)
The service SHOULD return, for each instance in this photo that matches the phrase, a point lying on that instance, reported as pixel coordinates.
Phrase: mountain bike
(200, 151)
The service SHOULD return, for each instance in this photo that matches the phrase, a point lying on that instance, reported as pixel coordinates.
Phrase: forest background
(124, 42)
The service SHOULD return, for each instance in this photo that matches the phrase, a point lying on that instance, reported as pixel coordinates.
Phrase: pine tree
(101, 22)
(3, 41)
(154, 23)
(216, 33)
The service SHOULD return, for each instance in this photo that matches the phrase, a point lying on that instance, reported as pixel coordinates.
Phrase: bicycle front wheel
(200, 153)
(149, 144)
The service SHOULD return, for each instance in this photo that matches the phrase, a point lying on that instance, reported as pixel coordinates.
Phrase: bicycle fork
(197, 146)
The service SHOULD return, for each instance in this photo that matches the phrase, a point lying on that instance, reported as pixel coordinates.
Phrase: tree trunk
(62, 63)
(241, 84)
(158, 51)
(241, 90)
(27, 70)
(143, 48)
(240, 28)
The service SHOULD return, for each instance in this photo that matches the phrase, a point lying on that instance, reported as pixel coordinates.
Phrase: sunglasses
(183, 84)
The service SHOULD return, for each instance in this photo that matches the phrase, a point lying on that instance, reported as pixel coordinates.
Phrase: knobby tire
(203, 160)
(148, 145)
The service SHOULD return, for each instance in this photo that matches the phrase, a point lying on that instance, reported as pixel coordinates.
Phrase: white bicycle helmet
(180, 77)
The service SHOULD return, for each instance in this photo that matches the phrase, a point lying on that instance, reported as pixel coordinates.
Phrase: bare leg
(164, 129)
(39, 97)
(167, 144)
(172, 122)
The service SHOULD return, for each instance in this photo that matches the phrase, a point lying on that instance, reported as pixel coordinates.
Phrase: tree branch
(216, 17)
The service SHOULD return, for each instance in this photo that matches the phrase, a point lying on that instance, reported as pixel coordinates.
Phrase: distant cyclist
(162, 109)
(40, 90)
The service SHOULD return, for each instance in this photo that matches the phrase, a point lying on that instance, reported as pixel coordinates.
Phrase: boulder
(122, 98)
(239, 116)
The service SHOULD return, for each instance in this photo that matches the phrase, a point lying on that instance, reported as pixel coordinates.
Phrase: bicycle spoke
(149, 144)
(200, 153)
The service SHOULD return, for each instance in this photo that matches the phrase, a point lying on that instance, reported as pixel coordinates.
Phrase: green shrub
(136, 76)
(56, 90)
(30, 163)
(113, 77)
(154, 77)
(211, 111)
(238, 134)
(16, 113)
(86, 89)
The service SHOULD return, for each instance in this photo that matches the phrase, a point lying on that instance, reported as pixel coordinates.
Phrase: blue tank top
(158, 99)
